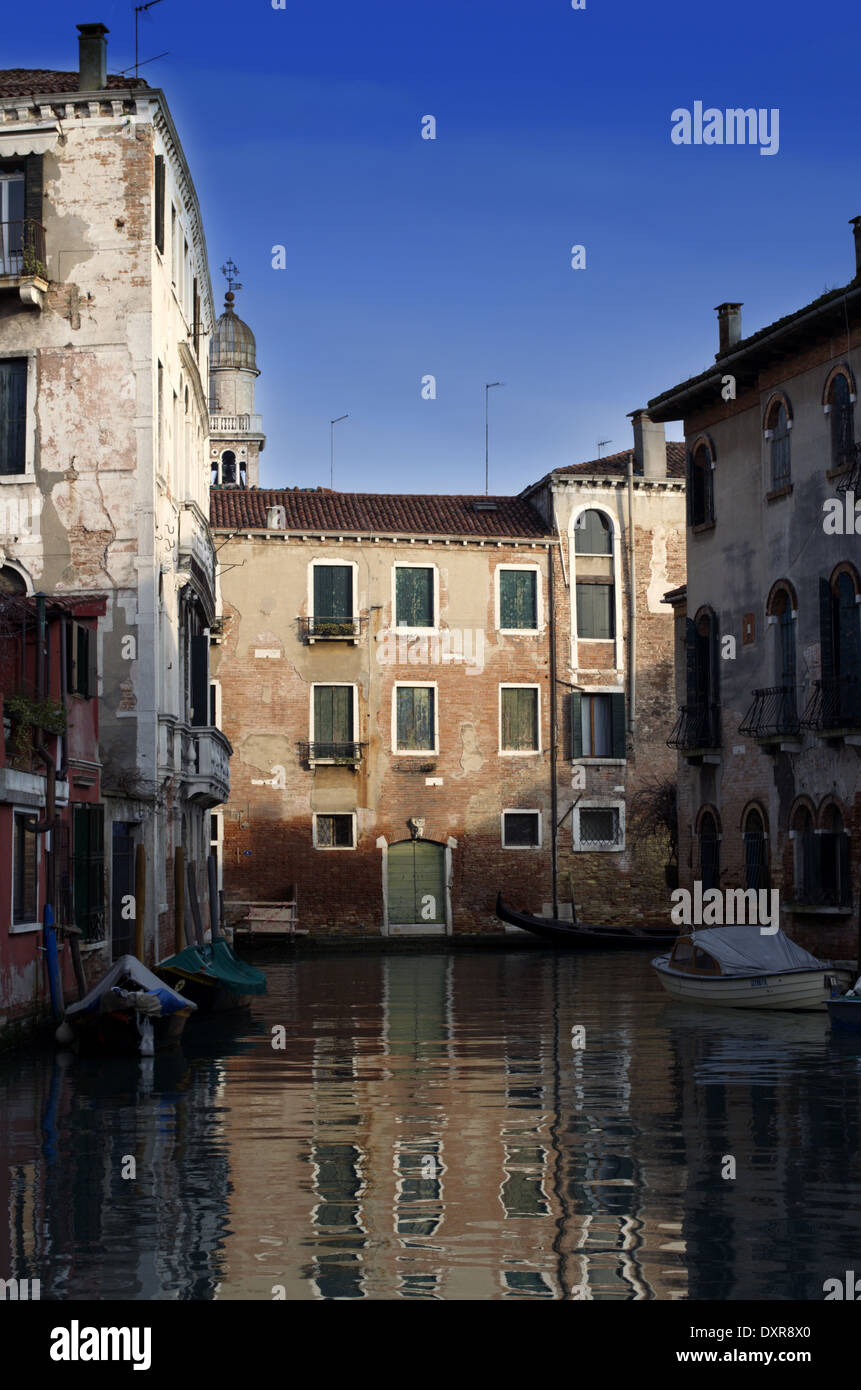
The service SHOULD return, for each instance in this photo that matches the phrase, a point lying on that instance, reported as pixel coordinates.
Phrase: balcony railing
(339, 754)
(235, 424)
(206, 765)
(834, 704)
(773, 714)
(319, 629)
(850, 481)
(22, 249)
(696, 729)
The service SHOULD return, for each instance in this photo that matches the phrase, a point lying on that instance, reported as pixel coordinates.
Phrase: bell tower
(236, 437)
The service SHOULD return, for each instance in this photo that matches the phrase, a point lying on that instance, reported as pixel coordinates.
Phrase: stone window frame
(521, 811)
(521, 752)
(596, 505)
(315, 815)
(330, 563)
(415, 752)
(497, 600)
(606, 803)
(29, 474)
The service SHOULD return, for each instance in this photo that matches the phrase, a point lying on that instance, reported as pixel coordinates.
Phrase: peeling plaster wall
(113, 473)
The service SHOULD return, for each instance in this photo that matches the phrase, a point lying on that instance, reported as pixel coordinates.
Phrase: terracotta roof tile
(614, 464)
(319, 509)
(25, 82)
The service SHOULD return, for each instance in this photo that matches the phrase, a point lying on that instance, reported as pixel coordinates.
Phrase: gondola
(583, 936)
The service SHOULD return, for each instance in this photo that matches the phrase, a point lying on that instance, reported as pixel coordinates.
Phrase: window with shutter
(333, 717)
(415, 719)
(13, 415)
(333, 595)
(158, 198)
(592, 535)
(595, 611)
(414, 597)
(88, 870)
(518, 599)
(199, 680)
(335, 831)
(519, 719)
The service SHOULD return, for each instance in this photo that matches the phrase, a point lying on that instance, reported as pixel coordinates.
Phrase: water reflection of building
(75, 1222)
(438, 1137)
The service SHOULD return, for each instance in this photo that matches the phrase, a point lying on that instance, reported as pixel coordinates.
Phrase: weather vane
(230, 272)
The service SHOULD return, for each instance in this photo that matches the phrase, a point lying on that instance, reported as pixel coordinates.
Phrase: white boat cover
(745, 950)
(129, 968)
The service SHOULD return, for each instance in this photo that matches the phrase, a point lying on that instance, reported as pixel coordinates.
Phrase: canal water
(472, 1125)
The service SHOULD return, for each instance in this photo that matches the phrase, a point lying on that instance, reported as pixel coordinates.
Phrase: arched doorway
(416, 887)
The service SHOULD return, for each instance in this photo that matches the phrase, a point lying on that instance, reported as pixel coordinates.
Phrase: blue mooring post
(52, 961)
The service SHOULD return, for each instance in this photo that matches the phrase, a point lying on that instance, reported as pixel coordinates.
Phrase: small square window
(598, 827)
(335, 831)
(521, 829)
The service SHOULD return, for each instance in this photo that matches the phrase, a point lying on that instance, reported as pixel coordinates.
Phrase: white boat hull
(796, 989)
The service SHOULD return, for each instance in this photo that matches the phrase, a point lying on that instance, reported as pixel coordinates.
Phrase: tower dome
(233, 343)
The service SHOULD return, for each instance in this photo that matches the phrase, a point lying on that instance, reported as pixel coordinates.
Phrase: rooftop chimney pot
(650, 445)
(729, 326)
(92, 57)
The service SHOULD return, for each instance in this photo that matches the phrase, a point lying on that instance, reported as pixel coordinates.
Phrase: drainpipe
(632, 603)
(554, 791)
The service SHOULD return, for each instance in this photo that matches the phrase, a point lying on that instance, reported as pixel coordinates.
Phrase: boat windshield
(693, 959)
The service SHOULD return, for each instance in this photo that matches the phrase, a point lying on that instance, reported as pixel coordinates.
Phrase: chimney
(650, 445)
(855, 224)
(729, 326)
(92, 57)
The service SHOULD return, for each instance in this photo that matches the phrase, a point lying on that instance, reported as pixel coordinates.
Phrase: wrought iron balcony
(338, 754)
(318, 629)
(22, 249)
(773, 714)
(697, 728)
(835, 704)
(850, 481)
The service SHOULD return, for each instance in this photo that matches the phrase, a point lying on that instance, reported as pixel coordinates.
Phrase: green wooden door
(416, 883)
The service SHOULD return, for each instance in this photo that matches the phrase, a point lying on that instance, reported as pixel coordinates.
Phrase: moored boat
(845, 1012)
(129, 1010)
(742, 967)
(582, 936)
(212, 976)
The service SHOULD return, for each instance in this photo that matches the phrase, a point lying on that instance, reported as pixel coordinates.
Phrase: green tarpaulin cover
(216, 961)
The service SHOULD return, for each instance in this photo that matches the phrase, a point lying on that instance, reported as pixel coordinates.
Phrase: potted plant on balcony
(27, 713)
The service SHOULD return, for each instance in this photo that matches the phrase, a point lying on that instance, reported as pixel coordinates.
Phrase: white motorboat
(743, 968)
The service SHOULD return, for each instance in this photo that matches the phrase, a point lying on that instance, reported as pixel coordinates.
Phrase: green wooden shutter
(158, 196)
(322, 714)
(92, 666)
(13, 415)
(519, 720)
(518, 603)
(333, 714)
(415, 718)
(34, 187)
(618, 732)
(414, 597)
(576, 724)
(333, 592)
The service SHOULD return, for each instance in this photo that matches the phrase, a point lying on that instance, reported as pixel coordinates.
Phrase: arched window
(842, 422)
(777, 430)
(834, 861)
(701, 485)
(781, 609)
(840, 651)
(595, 583)
(804, 856)
(12, 584)
(755, 850)
(592, 534)
(709, 852)
(228, 466)
(699, 725)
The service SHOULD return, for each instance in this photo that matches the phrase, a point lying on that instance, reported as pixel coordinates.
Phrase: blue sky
(408, 257)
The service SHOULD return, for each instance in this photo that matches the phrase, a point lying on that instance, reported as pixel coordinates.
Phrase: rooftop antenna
(138, 11)
(601, 443)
